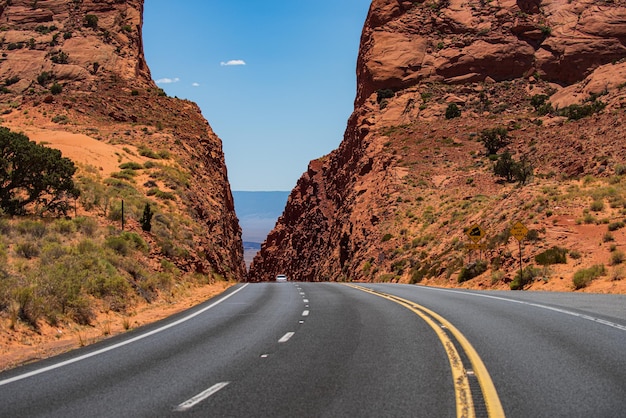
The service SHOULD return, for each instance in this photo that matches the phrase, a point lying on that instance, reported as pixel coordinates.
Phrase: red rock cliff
(391, 203)
(91, 52)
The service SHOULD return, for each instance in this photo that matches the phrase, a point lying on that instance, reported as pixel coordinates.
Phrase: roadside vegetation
(73, 244)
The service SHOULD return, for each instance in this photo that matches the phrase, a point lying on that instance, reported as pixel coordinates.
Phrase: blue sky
(276, 79)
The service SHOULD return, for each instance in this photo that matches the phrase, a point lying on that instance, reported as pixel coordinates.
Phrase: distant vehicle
(281, 278)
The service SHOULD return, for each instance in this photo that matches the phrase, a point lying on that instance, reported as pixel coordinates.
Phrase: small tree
(31, 173)
(505, 166)
(146, 218)
(523, 171)
(91, 21)
(494, 139)
(452, 111)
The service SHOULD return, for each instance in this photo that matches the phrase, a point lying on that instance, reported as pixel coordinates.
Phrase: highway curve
(333, 350)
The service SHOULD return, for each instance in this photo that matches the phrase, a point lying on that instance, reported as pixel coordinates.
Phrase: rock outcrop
(392, 202)
(79, 66)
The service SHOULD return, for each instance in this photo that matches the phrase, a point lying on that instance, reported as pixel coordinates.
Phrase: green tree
(494, 139)
(31, 173)
(146, 218)
(453, 111)
(91, 21)
(505, 166)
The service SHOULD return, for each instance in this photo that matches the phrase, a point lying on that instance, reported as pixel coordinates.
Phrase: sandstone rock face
(457, 41)
(93, 51)
(392, 201)
(35, 32)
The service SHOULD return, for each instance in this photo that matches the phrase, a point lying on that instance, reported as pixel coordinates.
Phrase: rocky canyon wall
(78, 66)
(391, 203)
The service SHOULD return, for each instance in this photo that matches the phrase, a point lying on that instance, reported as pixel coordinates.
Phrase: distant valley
(257, 213)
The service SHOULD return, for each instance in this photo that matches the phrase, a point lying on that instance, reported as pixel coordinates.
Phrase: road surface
(337, 350)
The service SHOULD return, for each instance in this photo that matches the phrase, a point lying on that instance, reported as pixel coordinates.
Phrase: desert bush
(453, 111)
(576, 255)
(147, 152)
(614, 226)
(528, 275)
(128, 175)
(583, 277)
(91, 21)
(131, 165)
(494, 139)
(597, 206)
(383, 94)
(576, 112)
(386, 237)
(52, 252)
(27, 249)
(64, 226)
(87, 226)
(29, 306)
(472, 270)
(44, 78)
(554, 255)
(617, 257)
(35, 229)
(539, 100)
(118, 244)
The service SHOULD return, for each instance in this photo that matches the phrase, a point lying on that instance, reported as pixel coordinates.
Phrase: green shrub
(576, 112)
(118, 244)
(555, 255)
(36, 229)
(472, 270)
(539, 100)
(617, 257)
(597, 206)
(91, 21)
(383, 94)
(131, 165)
(453, 111)
(147, 152)
(44, 78)
(386, 237)
(583, 277)
(494, 139)
(64, 226)
(614, 226)
(161, 194)
(27, 249)
(528, 275)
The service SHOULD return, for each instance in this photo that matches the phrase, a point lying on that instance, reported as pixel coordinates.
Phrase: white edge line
(286, 337)
(190, 403)
(120, 344)
(536, 305)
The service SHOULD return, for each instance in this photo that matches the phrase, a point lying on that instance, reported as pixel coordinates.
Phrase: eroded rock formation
(391, 203)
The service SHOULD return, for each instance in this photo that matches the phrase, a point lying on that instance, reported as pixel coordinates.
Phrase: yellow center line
(464, 403)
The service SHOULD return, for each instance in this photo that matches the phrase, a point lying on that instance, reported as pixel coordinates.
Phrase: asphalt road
(332, 350)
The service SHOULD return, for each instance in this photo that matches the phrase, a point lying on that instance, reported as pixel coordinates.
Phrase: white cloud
(168, 80)
(232, 63)
(195, 84)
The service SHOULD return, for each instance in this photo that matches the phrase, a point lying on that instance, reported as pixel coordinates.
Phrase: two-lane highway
(329, 350)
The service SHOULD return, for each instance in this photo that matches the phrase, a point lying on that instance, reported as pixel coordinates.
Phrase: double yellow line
(464, 401)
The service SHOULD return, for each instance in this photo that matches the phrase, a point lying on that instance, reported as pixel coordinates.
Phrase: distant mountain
(258, 212)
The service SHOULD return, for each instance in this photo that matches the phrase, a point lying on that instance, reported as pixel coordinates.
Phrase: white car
(281, 278)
